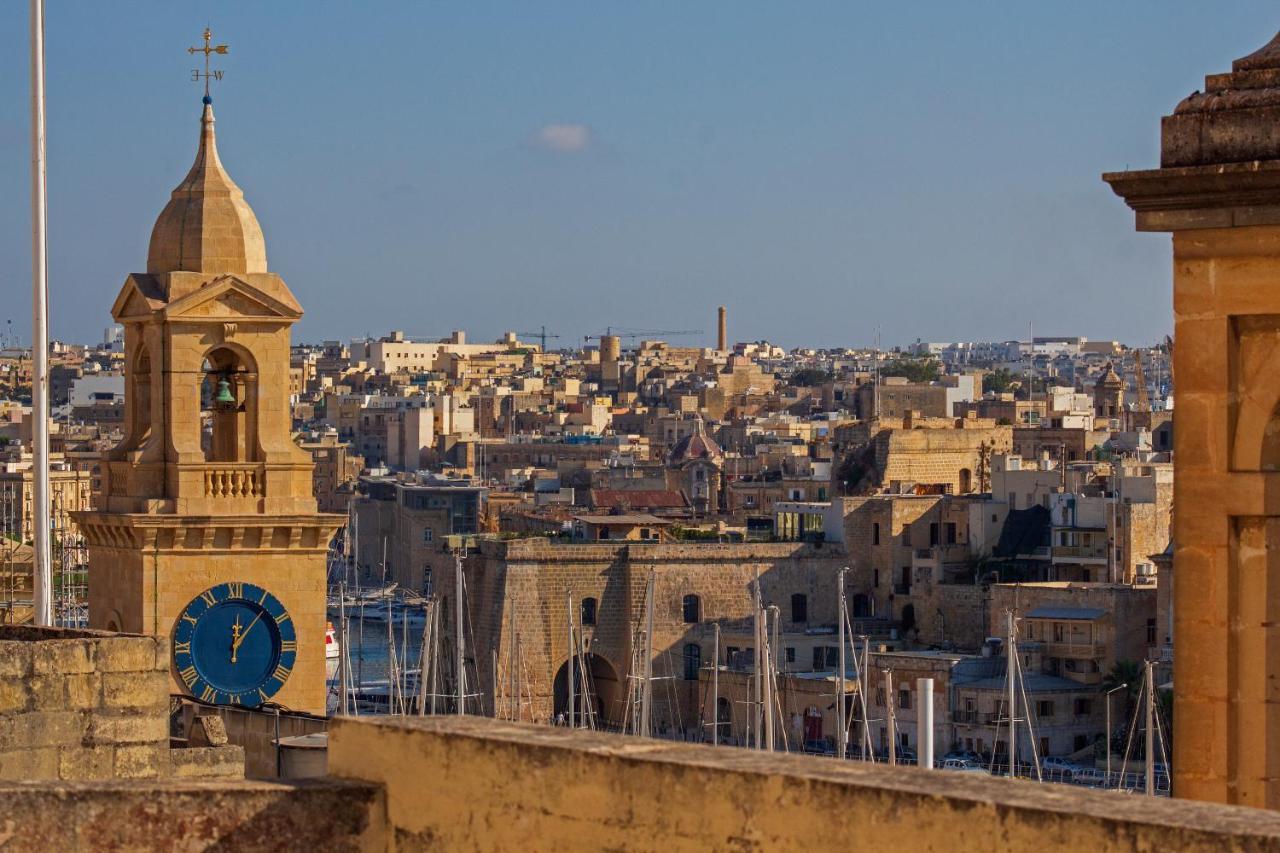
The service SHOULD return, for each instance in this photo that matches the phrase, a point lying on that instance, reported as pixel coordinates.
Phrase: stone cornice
(1190, 197)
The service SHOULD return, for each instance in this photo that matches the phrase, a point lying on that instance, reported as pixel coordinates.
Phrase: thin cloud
(563, 138)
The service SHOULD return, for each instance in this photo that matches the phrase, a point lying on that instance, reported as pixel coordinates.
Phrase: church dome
(207, 226)
(695, 446)
(1109, 378)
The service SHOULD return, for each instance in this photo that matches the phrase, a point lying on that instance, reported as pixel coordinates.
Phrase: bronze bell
(224, 398)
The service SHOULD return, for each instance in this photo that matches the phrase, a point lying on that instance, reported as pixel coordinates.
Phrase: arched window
(799, 607)
(588, 611)
(692, 609)
(692, 661)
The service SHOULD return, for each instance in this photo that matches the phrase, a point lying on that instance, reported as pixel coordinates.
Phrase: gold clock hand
(235, 637)
(245, 632)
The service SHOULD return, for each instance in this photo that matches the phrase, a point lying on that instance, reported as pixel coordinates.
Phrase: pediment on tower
(231, 297)
(141, 296)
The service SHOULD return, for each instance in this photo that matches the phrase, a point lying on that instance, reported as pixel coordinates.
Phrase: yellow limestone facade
(199, 492)
(1218, 192)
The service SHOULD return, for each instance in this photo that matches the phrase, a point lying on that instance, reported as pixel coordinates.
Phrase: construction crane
(542, 336)
(622, 332)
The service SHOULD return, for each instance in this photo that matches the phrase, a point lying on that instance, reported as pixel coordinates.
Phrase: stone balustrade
(234, 480)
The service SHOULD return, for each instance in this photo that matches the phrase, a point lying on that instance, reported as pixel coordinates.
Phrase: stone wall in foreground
(509, 786)
(92, 705)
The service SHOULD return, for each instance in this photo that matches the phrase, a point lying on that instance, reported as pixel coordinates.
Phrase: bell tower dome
(207, 226)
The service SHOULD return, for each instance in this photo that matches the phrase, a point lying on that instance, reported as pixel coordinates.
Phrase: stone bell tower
(207, 486)
(1218, 193)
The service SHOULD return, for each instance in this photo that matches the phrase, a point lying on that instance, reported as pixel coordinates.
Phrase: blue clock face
(234, 644)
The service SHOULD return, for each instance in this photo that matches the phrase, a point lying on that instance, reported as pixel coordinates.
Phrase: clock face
(234, 644)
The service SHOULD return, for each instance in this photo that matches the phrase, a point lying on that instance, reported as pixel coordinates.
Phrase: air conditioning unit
(1146, 570)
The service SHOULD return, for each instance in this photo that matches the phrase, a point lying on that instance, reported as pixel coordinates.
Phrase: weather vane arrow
(207, 49)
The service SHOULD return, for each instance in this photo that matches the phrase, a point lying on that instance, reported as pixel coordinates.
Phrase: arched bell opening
(138, 396)
(228, 406)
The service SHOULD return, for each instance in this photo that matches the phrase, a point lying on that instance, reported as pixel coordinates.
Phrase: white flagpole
(39, 330)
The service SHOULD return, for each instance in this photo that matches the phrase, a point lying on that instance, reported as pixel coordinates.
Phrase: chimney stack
(723, 338)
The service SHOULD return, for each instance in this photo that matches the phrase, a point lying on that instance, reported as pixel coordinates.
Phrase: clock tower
(206, 530)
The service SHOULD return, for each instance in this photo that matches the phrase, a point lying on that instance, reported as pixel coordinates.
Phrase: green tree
(912, 369)
(807, 377)
(998, 381)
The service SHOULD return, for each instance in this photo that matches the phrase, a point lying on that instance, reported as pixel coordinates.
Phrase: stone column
(1218, 193)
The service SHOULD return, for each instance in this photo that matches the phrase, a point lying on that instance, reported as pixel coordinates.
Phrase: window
(692, 609)
(692, 661)
(904, 699)
(1082, 707)
(791, 654)
(799, 607)
(825, 657)
(426, 581)
(427, 535)
(588, 611)
(933, 534)
(880, 697)
(1151, 630)
(949, 533)
(875, 533)
(875, 574)
(1044, 709)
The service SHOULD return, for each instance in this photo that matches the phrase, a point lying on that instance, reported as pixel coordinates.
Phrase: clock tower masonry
(208, 487)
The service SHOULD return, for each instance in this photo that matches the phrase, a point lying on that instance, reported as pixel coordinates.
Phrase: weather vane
(207, 75)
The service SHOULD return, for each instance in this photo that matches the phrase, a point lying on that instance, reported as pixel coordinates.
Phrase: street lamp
(1107, 737)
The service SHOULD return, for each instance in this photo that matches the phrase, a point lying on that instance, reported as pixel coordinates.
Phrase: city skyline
(581, 170)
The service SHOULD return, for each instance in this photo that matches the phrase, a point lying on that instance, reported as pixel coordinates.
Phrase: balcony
(1081, 553)
(1074, 649)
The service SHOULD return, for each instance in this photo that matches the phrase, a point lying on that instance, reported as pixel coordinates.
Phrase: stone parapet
(90, 705)
(192, 815)
(508, 786)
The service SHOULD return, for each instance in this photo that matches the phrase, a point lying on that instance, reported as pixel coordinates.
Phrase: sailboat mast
(842, 727)
(770, 667)
(757, 657)
(570, 661)
(893, 720)
(460, 643)
(715, 688)
(1012, 657)
(1151, 743)
(344, 676)
(646, 694)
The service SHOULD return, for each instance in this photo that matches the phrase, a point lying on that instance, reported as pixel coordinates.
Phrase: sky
(826, 170)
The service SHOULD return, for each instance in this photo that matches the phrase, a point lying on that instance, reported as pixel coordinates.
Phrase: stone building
(941, 454)
(528, 584)
(336, 470)
(70, 490)
(208, 490)
(402, 528)
(1108, 395)
(1215, 192)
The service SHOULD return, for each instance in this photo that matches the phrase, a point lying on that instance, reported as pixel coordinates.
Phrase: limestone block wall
(507, 786)
(527, 580)
(82, 705)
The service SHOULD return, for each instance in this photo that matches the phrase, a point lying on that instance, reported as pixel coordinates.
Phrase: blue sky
(821, 168)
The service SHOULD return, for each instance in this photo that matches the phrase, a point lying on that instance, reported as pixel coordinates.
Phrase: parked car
(1059, 766)
(963, 755)
(963, 766)
(905, 755)
(1090, 777)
